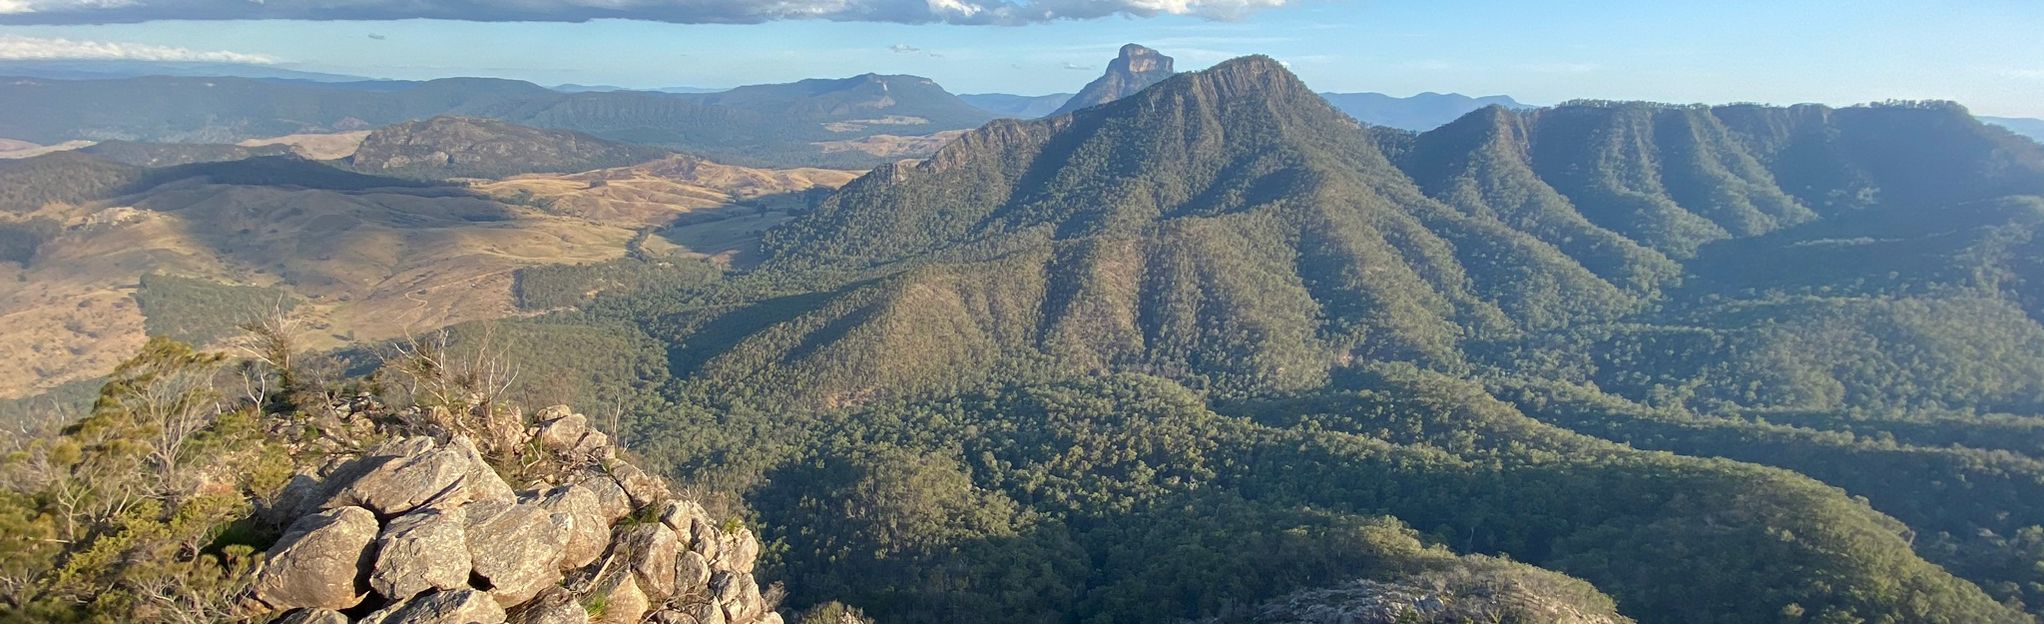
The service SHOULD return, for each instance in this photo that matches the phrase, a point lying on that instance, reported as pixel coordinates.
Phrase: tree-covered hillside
(1215, 348)
(1101, 367)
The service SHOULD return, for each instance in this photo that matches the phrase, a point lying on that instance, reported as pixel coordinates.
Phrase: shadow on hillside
(288, 172)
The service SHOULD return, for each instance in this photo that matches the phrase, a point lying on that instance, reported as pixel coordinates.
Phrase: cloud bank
(17, 48)
(677, 11)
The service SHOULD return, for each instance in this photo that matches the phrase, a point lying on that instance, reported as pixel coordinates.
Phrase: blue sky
(1988, 54)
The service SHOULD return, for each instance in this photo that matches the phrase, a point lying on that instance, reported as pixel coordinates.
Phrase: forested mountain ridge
(473, 147)
(1286, 278)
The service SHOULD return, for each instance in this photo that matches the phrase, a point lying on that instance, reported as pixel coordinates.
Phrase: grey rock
(737, 551)
(590, 532)
(552, 606)
(311, 616)
(649, 550)
(552, 412)
(681, 516)
(571, 436)
(483, 481)
(643, 489)
(670, 616)
(738, 594)
(453, 475)
(703, 539)
(320, 562)
(623, 603)
(609, 495)
(295, 499)
(515, 547)
(461, 606)
(691, 570)
(421, 551)
(707, 612)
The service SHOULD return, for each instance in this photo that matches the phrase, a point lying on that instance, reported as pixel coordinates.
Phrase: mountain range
(1557, 334)
(1205, 349)
(107, 69)
(793, 123)
(1137, 67)
(2033, 128)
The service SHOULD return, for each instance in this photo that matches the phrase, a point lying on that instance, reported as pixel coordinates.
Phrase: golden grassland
(367, 265)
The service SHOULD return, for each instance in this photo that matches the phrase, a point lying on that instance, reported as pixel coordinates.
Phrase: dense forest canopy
(1451, 328)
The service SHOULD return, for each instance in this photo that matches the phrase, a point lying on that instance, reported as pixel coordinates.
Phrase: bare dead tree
(268, 345)
(461, 392)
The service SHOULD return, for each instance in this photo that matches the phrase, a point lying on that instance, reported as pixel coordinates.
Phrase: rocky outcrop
(425, 529)
(420, 552)
(322, 561)
(1135, 69)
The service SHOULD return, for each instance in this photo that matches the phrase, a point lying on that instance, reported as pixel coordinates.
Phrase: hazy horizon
(1981, 55)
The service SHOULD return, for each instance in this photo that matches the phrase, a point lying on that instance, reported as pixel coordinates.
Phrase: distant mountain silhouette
(1418, 113)
(2033, 128)
(761, 124)
(1017, 106)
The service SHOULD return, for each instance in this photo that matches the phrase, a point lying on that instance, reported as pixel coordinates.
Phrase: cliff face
(1135, 69)
(428, 529)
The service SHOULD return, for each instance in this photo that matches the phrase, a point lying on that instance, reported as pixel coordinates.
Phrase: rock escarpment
(1135, 69)
(424, 529)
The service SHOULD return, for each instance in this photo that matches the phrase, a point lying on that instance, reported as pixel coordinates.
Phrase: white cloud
(678, 11)
(18, 48)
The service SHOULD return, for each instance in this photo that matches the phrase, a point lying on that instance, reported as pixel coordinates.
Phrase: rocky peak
(1135, 69)
(1137, 59)
(426, 529)
(1256, 77)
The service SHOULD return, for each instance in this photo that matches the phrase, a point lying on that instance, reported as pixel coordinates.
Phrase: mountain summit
(1136, 69)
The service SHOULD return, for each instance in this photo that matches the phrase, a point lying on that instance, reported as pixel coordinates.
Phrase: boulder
(421, 551)
(642, 488)
(425, 475)
(321, 562)
(483, 481)
(610, 496)
(703, 539)
(571, 436)
(296, 498)
(649, 550)
(312, 616)
(461, 606)
(736, 551)
(515, 548)
(681, 515)
(622, 603)
(706, 612)
(691, 570)
(590, 530)
(552, 606)
(552, 412)
(738, 594)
